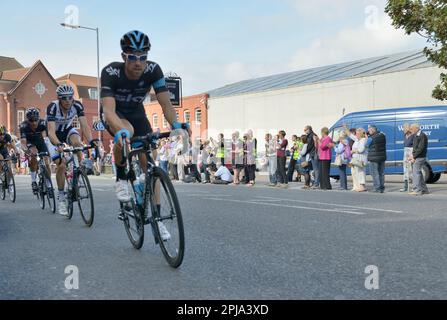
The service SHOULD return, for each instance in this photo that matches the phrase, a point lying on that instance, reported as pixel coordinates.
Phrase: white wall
(320, 104)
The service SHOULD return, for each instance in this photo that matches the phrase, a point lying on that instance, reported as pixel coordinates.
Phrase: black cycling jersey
(63, 122)
(5, 140)
(130, 94)
(33, 135)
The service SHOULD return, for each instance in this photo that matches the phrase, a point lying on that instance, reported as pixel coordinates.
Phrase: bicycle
(5, 183)
(135, 214)
(77, 187)
(45, 185)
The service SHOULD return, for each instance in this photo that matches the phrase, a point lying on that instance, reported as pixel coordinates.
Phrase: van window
(336, 133)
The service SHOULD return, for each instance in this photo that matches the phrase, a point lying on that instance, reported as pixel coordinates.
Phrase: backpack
(347, 154)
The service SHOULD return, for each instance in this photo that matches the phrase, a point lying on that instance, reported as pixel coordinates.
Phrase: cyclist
(6, 143)
(60, 116)
(124, 89)
(33, 132)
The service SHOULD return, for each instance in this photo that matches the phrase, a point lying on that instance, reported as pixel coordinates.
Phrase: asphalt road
(241, 243)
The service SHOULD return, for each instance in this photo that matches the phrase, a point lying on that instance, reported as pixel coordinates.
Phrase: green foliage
(428, 18)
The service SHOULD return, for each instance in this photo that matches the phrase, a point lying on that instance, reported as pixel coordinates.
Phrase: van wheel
(435, 178)
(427, 173)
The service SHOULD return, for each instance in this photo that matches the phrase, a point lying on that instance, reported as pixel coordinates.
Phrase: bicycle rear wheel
(170, 215)
(12, 189)
(133, 223)
(85, 199)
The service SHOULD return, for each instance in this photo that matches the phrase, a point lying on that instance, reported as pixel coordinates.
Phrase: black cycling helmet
(135, 41)
(32, 113)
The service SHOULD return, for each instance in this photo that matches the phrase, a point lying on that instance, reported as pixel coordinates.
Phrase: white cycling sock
(33, 176)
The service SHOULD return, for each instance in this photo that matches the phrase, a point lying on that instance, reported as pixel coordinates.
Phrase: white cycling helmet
(64, 91)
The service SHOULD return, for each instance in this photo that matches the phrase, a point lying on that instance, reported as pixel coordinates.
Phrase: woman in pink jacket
(325, 153)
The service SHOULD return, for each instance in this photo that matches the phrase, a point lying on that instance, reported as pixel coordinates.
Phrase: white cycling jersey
(64, 122)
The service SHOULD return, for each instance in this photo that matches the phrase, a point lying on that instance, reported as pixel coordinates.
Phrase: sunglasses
(66, 98)
(135, 58)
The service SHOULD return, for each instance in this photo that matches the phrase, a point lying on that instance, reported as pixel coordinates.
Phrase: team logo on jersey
(150, 68)
(113, 71)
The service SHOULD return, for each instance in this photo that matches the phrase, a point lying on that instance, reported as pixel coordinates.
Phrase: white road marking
(331, 204)
(288, 206)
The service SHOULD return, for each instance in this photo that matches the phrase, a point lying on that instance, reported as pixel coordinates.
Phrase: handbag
(338, 160)
(355, 162)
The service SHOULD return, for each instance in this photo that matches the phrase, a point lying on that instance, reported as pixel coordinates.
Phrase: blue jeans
(316, 168)
(164, 165)
(343, 177)
(377, 171)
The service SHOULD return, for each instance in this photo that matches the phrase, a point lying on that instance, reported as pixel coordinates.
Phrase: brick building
(21, 88)
(193, 110)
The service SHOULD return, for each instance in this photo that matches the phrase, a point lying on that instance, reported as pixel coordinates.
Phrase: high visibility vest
(221, 152)
(298, 147)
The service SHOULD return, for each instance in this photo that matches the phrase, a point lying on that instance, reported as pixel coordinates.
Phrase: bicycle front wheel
(85, 199)
(172, 243)
(133, 223)
(12, 189)
(50, 194)
(2, 187)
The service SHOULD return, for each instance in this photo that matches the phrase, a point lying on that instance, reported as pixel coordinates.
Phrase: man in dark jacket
(419, 159)
(313, 152)
(377, 158)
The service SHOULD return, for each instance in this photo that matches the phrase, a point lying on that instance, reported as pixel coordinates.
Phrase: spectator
(359, 159)
(222, 176)
(270, 153)
(250, 173)
(305, 162)
(377, 157)
(297, 167)
(206, 161)
(164, 153)
(294, 155)
(408, 153)
(343, 152)
(313, 152)
(173, 159)
(419, 159)
(221, 149)
(281, 159)
(237, 151)
(193, 160)
(180, 157)
(325, 155)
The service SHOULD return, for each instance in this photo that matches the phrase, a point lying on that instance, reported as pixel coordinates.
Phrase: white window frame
(93, 93)
(20, 117)
(189, 116)
(155, 120)
(196, 112)
(165, 122)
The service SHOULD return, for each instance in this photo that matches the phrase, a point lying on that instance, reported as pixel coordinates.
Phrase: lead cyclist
(124, 87)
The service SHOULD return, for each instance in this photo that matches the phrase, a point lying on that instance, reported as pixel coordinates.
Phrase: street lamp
(66, 25)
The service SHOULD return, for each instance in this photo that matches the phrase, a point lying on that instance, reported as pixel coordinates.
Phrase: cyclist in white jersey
(60, 116)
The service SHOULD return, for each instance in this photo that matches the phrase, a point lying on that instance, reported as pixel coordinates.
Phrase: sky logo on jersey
(113, 71)
(150, 68)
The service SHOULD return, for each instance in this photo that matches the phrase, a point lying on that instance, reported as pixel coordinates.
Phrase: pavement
(241, 243)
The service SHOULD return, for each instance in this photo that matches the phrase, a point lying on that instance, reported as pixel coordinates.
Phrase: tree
(427, 18)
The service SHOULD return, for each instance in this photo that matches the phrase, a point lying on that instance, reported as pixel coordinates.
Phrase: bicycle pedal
(121, 217)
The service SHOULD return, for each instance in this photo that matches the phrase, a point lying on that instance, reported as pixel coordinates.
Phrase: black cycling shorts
(4, 153)
(137, 120)
(39, 144)
(64, 136)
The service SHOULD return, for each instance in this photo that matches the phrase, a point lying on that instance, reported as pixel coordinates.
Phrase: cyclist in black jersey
(60, 116)
(6, 143)
(33, 132)
(124, 89)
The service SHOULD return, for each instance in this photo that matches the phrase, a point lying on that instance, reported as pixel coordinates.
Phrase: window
(76, 123)
(155, 120)
(20, 117)
(165, 122)
(93, 93)
(187, 115)
(199, 116)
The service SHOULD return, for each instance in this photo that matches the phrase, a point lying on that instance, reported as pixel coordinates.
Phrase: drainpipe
(5, 97)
